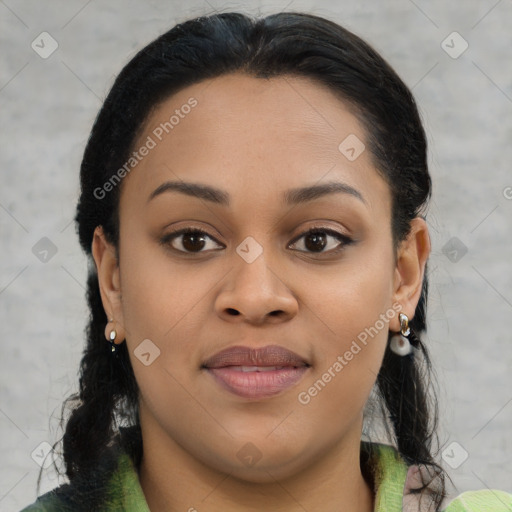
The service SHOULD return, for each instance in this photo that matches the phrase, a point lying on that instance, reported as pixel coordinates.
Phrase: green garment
(389, 475)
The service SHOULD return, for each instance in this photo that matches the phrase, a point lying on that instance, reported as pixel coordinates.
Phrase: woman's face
(284, 157)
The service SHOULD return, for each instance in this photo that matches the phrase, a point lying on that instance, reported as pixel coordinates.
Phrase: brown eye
(190, 241)
(316, 240)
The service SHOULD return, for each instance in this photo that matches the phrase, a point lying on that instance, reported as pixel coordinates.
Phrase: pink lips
(256, 372)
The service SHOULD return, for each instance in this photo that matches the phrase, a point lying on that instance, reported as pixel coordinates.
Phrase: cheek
(157, 294)
(352, 312)
(335, 395)
(166, 303)
(352, 299)
(161, 303)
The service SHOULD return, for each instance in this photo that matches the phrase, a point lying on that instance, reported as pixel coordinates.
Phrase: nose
(255, 294)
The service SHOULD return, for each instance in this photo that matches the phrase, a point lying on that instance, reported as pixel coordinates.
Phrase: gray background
(48, 106)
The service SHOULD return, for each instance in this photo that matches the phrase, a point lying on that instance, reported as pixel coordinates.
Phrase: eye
(321, 240)
(316, 240)
(190, 241)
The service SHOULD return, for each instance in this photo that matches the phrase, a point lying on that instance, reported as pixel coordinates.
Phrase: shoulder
(481, 501)
(100, 490)
(394, 480)
(110, 484)
(53, 501)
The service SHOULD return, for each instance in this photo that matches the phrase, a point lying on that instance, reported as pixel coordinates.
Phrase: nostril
(233, 312)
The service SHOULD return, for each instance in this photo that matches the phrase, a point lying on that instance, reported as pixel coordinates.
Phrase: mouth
(255, 373)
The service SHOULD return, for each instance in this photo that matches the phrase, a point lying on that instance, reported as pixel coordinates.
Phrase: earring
(111, 337)
(400, 343)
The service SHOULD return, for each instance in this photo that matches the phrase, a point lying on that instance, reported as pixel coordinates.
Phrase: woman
(253, 199)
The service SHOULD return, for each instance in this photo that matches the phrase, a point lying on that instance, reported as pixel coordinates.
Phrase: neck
(173, 480)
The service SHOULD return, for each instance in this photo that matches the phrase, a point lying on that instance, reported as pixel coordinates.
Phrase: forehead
(253, 134)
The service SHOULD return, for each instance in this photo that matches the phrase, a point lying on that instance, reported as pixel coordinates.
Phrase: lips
(256, 372)
(271, 355)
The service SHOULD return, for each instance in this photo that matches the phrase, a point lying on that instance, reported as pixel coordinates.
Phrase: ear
(107, 267)
(412, 257)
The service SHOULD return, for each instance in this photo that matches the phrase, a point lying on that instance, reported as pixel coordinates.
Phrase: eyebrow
(292, 197)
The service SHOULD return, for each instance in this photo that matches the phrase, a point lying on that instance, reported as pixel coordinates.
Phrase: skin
(254, 139)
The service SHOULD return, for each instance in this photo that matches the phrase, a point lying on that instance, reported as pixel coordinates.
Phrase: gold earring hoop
(399, 343)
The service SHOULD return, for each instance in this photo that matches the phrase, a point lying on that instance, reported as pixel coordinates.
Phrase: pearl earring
(112, 337)
(400, 343)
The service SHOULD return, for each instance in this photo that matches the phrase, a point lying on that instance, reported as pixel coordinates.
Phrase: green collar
(389, 473)
(384, 466)
(388, 469)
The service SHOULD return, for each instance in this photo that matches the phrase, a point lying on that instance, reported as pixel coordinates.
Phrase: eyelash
(344, 239)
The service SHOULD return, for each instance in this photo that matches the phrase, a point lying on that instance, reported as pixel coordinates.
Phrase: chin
(262, 460)
(267, 470)
(262, 476)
